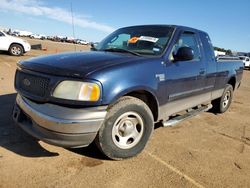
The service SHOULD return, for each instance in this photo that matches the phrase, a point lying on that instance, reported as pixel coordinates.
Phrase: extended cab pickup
(113, 95)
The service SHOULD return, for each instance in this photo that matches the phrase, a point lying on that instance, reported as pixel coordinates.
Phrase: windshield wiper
(120, 50)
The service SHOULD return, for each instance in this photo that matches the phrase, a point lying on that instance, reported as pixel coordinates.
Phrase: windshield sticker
(149, 39)
(133, 40)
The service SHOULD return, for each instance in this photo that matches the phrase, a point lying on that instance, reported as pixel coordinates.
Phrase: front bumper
(27, 47)
(57, 125)
(246, 65)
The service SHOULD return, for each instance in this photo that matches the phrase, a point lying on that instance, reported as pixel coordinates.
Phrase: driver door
(185, 79)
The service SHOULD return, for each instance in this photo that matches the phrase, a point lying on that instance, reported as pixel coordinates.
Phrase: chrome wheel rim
(127, 130)
(226, 99)
(16, 50)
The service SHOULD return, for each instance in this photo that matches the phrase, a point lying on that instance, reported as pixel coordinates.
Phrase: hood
(15, 39)
(75, 64)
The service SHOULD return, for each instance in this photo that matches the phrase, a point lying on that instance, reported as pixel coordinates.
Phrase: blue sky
(227, 21)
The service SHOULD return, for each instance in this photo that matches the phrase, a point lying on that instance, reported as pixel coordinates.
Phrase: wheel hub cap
(226, 99)
(127, 130)
(16, 50)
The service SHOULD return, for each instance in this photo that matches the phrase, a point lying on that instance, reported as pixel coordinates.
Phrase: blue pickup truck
(114, 95)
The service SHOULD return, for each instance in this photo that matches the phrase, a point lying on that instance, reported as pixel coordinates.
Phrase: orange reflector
(95, 94)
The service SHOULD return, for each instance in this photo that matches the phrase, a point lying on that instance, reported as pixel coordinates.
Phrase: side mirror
(93, 46)
(184, 54)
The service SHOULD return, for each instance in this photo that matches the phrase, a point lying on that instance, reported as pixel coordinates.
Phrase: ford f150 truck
(114, 94)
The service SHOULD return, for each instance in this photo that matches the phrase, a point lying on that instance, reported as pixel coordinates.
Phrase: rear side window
(187, 39)
(207, 46)
(1, 34)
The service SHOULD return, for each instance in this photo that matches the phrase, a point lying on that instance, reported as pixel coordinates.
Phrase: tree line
(228, 52)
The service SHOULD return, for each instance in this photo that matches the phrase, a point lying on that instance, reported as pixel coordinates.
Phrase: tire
(16, 50)
(126, 129)
(222, 104)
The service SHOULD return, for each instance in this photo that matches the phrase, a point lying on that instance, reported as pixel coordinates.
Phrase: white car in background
(83, 42)
(38, 36)
(15, 46)
(246, 61)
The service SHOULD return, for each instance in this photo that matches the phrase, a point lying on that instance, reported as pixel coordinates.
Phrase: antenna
(73, 26)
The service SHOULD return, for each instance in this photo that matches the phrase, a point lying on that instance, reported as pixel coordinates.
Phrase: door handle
(202, 72)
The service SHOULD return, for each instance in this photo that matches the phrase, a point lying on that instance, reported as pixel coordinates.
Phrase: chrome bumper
(62, 126)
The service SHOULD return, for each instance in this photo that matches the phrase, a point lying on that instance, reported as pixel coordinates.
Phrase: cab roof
(177, 27)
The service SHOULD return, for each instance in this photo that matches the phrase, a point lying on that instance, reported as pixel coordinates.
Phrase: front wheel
(126, 129)
(16, 50)
(222, 104)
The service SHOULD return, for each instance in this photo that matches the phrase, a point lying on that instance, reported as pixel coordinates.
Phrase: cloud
(36, 8)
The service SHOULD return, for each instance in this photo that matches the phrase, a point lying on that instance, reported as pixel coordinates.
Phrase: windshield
(143, 40)
(1, 34)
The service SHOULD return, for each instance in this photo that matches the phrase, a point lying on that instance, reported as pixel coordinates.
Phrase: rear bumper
(59, 125)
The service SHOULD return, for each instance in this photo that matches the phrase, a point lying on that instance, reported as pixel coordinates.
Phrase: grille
(32, 84)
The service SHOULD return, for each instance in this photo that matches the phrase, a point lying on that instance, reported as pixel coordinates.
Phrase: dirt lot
(206, 151)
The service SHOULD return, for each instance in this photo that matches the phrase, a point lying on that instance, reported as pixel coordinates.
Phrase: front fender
(120, 80)
(124, 91)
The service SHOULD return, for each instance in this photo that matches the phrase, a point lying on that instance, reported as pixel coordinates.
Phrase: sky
(226, 21)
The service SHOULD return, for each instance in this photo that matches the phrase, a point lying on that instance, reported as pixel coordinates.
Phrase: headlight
(76, 90)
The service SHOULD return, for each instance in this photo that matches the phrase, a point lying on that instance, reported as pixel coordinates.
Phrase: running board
(173, 121)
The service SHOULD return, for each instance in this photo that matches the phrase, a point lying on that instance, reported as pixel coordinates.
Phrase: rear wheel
(126, 129)
(16, 50)
(222, 104)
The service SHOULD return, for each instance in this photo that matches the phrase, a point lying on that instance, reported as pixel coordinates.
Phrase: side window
(1, 34)
(187, 39)
(210, 46)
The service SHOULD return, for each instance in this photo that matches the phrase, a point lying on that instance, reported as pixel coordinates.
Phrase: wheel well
(232, 82)
(149, 99)
(17, 44)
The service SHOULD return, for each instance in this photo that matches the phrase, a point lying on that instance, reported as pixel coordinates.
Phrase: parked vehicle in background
(15, 46)
(38, 36)
(83, 42)
(50, 37)
(70, 40)
(58, 38)
(21, 33)
(219, 53)
(246, 61)
(136, 77)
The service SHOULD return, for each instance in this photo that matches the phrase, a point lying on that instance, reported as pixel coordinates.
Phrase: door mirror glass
(184, 54)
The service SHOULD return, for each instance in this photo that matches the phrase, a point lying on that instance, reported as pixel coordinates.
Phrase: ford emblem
(26, 82)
